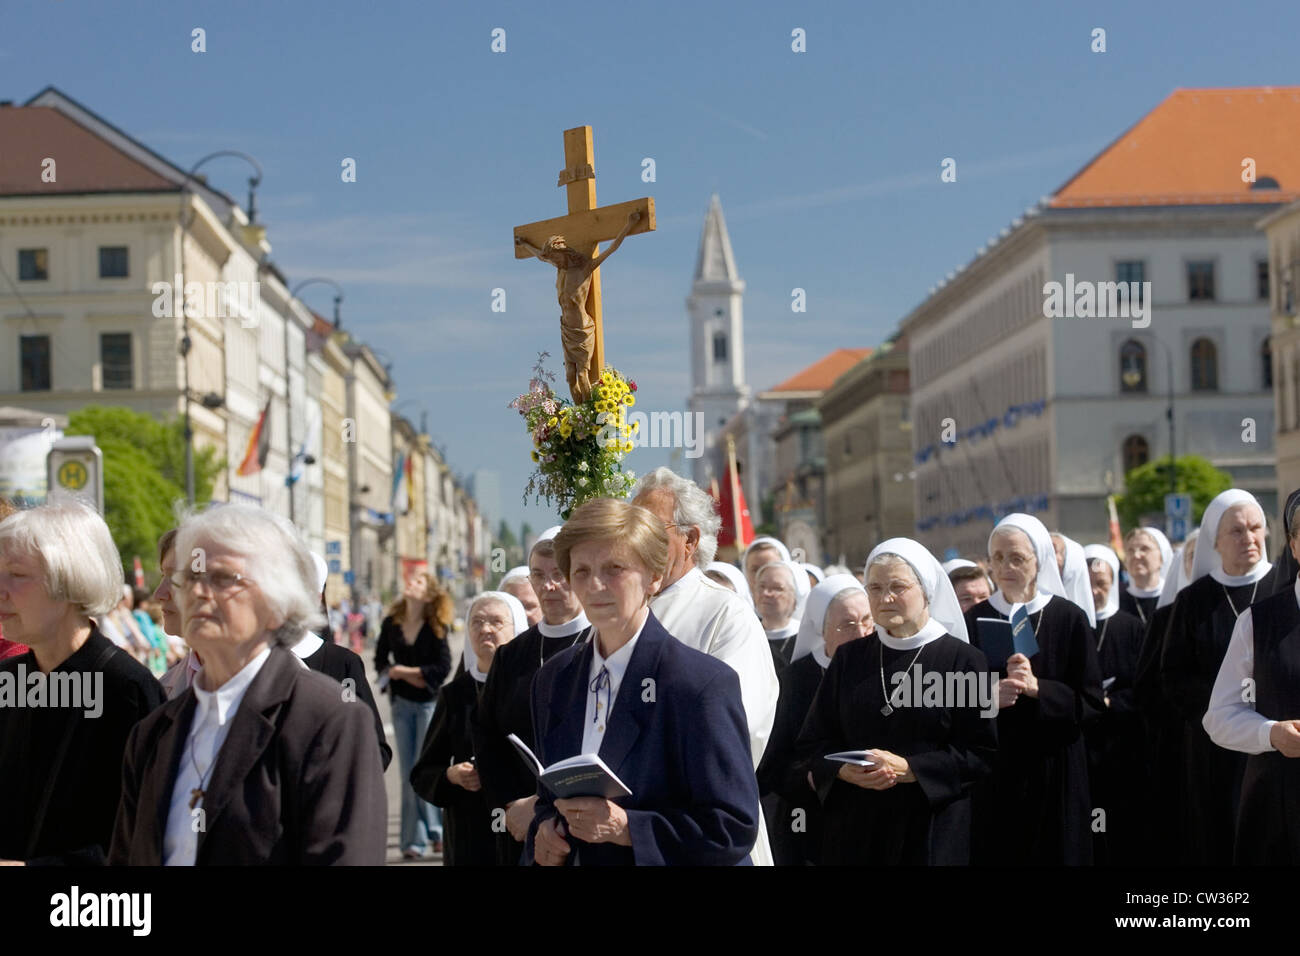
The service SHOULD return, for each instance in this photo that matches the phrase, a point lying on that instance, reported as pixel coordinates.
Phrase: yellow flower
(629, 400)
(552, 422)
(536, 457)
(566, 430)
(627, 446)
(606, 378)
(636, 427)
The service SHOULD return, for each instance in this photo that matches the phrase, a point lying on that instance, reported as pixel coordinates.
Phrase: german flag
(259, 444)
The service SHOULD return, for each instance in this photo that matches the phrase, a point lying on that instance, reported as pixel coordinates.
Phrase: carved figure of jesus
(572, 285)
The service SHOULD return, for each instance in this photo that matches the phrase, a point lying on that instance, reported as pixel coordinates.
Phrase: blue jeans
(421, 821)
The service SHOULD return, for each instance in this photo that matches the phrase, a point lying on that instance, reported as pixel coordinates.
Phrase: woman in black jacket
(412, 660)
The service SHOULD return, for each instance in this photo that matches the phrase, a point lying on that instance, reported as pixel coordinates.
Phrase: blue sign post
(1178, 515)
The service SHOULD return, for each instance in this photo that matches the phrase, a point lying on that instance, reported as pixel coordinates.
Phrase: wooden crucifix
(571, 243)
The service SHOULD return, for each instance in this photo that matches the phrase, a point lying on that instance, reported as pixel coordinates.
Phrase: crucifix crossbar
(571, 243)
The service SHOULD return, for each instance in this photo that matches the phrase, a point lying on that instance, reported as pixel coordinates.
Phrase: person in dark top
(445, 774)
(1148, 558)
(412, 660)
(837, 613)
(912, 805)
(504, 705)
(1117, 768)
(61, 756)
(1036, 809)
(782, 592)
(1230, 572)
(1263, 654)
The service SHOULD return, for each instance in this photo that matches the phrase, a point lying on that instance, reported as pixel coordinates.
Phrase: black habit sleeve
(429, 775)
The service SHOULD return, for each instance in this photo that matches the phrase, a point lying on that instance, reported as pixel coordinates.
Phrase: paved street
(392, 779)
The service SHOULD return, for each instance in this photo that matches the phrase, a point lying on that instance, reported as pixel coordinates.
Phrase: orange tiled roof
(822, 374)
(1189, 151)
(86, 163)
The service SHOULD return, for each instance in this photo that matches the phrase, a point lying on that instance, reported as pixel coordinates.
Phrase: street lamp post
(186, 341)
(288, 401)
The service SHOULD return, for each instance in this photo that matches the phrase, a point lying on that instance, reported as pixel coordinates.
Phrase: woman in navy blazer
(666, 719)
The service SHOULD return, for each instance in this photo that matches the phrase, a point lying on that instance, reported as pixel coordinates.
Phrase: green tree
(1148, 484)
(144, 476)
(505, 539)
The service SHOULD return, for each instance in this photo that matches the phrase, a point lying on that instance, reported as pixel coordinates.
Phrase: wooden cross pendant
(195, 796)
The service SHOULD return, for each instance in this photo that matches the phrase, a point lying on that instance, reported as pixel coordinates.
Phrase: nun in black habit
(910, 696)
(837, 612)
(1036, 808)
(1264, 653)
(1117, 765)
(445, 773)
(1148, 556)
(1230, 572)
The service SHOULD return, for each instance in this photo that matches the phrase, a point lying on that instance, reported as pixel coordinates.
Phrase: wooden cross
(586, 225)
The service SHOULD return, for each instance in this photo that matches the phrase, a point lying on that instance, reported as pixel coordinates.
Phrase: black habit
(1117, 765)
(1199, 630)
(1036, 807)
(780, 774)
(61, 771)
(504, 709)
(1165, 799)
(1141, 608)
(468, 836)
(1268, 821)
(948, 748)
(334, 660)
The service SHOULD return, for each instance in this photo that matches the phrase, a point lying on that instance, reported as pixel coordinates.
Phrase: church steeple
(715, 262)
(718, 388)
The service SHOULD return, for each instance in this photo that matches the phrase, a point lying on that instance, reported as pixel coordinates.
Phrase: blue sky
(827, 162)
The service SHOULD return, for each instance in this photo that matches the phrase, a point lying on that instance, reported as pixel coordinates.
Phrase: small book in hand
(1000, 638)
(859, 758)
(582, 776)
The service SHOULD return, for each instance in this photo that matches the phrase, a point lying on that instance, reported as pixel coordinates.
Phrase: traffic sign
(1176, 529)
(1178, 506)
(75, 469)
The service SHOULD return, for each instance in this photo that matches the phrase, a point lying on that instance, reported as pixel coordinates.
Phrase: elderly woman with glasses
(261, 761)
(666, 719)
(61, 752)
(912, 699)
(838, 612)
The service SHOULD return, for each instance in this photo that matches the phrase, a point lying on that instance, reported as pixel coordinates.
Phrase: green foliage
(144, 476)
(1148, 484)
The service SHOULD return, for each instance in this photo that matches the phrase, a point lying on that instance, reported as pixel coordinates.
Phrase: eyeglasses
(778, 589)
(866, 624)
(494, 623)
(215, 580)
(896, 590)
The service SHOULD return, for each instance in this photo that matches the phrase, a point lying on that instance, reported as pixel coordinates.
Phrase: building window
(34, 360)
(1266, 363)
(112, 262)
(33, 264)
(1132, 367)
(1200, 281)
(115, 360)
(1205, 366)
(1261, 279)
(1132, 270)
(1136, 452)
(719, 347)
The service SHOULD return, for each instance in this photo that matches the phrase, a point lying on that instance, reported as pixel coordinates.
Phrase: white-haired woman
(783, 588)
(61, 756)
(517, 584)
(1117, 767)
(1148, 558)
(1036, 807)
(911, 805)
(446, 774)
(262, 761)
(837, 612)
(1229, 573)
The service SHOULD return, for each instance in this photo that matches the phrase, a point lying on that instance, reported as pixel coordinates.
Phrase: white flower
(582, 466)
(631, 477)
(582, 482)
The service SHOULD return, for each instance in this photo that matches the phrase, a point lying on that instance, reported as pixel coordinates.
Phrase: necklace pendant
(887, 709)
(195, 796)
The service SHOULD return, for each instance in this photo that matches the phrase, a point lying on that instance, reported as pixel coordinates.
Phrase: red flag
(1116, 539)
(138, 572)
(259, 445)
(737, 528)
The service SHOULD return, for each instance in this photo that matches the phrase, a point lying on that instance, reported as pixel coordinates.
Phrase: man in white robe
(706, 616)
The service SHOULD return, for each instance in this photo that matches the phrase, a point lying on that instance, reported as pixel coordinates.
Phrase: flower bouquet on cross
(578, 448)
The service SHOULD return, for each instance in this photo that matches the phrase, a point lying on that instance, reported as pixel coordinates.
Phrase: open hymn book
(582, 776)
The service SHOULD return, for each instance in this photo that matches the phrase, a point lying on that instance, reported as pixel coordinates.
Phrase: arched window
(1205, 366)
(1136, 452)
(1266, 363)
(1132, 367)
